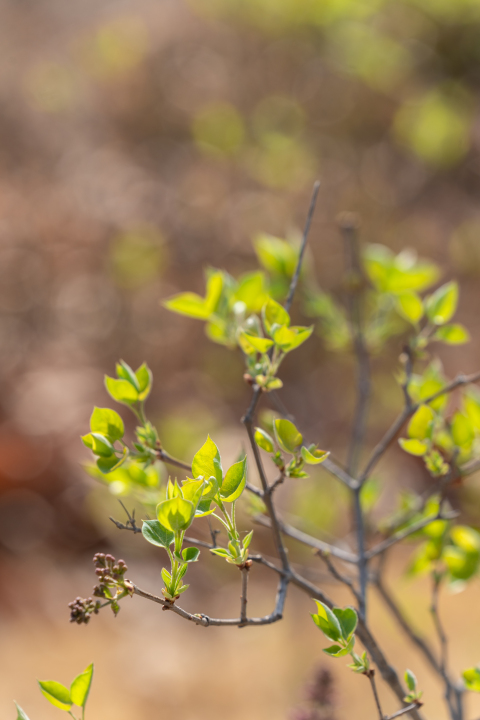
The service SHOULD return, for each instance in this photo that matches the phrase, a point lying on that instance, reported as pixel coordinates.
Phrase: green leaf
(80, 687)
(190, 554)
(274, 314)
(441, 305)
(21, 714)
(462, 431)
(264, 440)
(252, 291)
(234, 483)
(314, 457)
(421, 422)
(166, 577)
(413, 446)
(214, 290)
(189, 304)
(56, 693)
(471, 403)
(327, 621)
(175, 514)
(145, 379)
(259, 344)
(338, 651)
(156, 534)
(289, 338)
(121, 390)
(112, 462)
(193, 490)
(207, 463)
(287, 435)
(347, 617)
(410, 307)
(107, 422)
(221, 552)
(247, 540)
(471, 677)
(454, 334)
(466, 538)
(411, 680)
(98, 444)
(125, 372)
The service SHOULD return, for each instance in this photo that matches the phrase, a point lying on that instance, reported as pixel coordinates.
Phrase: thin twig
(308, 222)
(337, 575)
(371, 676)
(450, 696)
(403, 711)
(309, 540)
(401, 535)
(169, 460)
(243, 597)
(206, 621)
(349, 228)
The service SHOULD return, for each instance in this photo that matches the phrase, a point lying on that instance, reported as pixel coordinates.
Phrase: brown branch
(206, 621)
(403, 711)
(309, 540)
(169, 460)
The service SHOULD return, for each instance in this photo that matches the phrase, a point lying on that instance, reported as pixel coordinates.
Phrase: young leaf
(421, 422)
(189, 304)
(21, 714)
(190, 554)
(247, 540)
(289, 338)
(314, 456)
(107, 422)
(410, 306)
(98, 444)
(192, 490)
(156, 534)
(454, 334)
(145, 379)
(338, 651)
(413, 446)
(347, 617)
(175, 514)
(462, 431)
(274, 314)
(80, 687)
(125, 372)
(112, 462)
(471, 677)
(441, 305)
(121, 390)
(411, 680)
(56, 693)
(264, 440)
(327, 621)
(234, 483)
(207, 463)
(287, 435)
(221, 552)
(259, 344)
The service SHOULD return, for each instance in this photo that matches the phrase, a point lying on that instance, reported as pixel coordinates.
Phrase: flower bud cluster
(81, 609)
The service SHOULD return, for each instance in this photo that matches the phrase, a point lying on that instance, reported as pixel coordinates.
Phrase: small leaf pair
(338, 625)
(63, 697)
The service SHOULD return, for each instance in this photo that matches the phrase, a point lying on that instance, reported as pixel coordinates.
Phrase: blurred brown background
(141, 142)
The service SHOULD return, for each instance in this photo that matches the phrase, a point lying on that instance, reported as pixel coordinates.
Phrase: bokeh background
(141, 142)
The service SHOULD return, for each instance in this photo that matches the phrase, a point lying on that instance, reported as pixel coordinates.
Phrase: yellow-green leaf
(410, 306)
(420, 425)
(189, 304)
(413, 446)
(288, 437)
(441, 305)
(80, 687)
(56, 693)
(453, 334)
